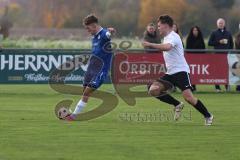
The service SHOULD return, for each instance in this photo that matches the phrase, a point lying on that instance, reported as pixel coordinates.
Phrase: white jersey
(174, 58)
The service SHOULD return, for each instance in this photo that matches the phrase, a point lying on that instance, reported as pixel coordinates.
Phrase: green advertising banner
(30, 66)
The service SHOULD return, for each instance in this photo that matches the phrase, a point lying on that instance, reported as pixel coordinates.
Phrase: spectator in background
(195, 41)
(237, 40)
(5, 24)
(237, 45)
(151, 35)
(221, 39)
(177, 30)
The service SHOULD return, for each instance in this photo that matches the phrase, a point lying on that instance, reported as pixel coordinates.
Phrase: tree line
(130, 16)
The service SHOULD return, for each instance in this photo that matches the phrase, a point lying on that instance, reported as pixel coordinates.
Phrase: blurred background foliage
(129, 16)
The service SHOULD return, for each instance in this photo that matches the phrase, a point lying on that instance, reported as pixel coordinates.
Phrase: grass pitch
(29, 129)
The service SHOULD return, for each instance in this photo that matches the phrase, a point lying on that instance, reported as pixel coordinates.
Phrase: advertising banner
(35, 66)
(234, 69)
(144, 68)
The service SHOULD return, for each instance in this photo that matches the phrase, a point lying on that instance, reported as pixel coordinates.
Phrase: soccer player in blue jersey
(99, 63)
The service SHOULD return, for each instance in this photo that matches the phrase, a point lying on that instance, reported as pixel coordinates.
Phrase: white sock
(79, 107)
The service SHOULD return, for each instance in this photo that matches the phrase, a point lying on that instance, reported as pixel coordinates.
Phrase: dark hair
(191, 36)
(166, 19)
(195, 42)
(177, 31)
(151, 25)
(90, 19)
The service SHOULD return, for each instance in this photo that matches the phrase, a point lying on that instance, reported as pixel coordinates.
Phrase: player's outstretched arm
(161, 47)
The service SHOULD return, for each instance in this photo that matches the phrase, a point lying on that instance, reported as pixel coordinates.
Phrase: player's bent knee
(154, 90)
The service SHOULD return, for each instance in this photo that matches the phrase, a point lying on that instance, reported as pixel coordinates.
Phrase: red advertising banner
(208, 68)
(142, 68)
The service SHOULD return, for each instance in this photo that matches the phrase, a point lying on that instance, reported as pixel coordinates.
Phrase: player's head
(165, 24)
(221, 23)
(91, 24)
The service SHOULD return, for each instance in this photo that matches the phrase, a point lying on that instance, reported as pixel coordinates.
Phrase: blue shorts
(96, 73)
(94, 80)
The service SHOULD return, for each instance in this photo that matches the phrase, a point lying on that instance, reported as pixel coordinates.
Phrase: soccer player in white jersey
(177, 70)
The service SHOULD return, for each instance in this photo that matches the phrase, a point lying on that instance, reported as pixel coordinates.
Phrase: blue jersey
(100, 61)
(100, 44)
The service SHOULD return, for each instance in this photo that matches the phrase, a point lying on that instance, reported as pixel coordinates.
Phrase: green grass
(29, 130)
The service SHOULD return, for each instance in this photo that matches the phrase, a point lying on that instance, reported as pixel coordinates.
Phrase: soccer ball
(63, 112)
